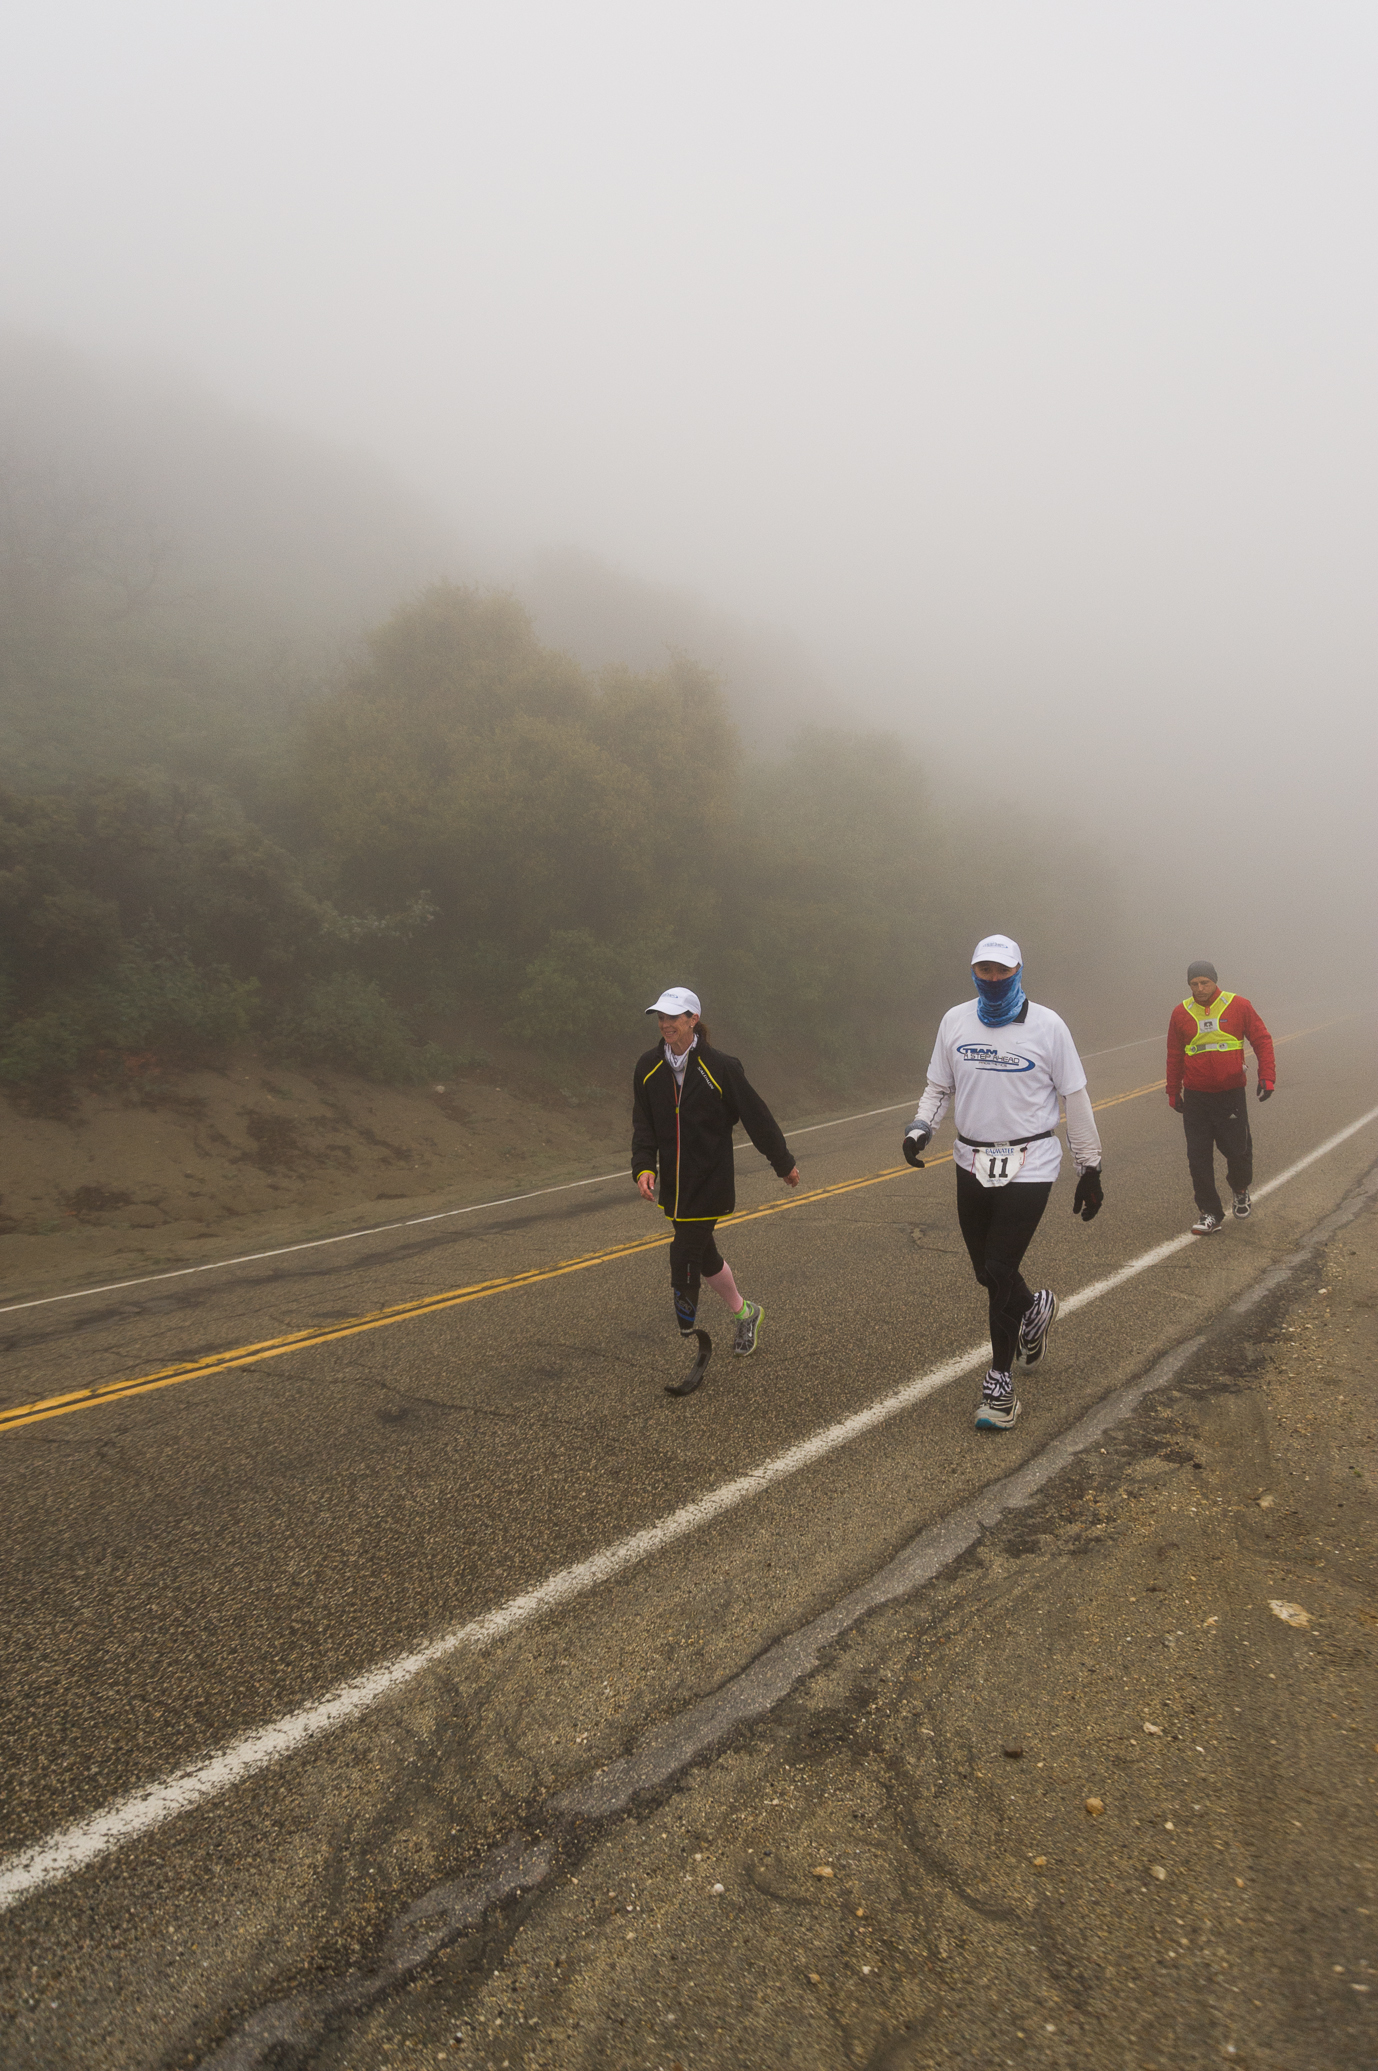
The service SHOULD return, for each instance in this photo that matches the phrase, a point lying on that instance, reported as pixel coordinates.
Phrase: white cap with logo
(998, 949)
(676, 999)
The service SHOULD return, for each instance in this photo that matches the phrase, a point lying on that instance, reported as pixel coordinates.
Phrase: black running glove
(1265, 1092)
(915, 1143)
(1089, 1195)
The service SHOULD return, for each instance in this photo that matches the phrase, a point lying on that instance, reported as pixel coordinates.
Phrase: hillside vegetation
(231, 815)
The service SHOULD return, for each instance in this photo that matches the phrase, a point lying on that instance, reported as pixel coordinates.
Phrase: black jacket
(690, 1138)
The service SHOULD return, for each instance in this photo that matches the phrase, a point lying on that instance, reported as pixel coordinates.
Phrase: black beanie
(1202, 970)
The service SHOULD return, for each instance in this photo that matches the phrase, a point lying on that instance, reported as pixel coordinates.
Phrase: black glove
(1265, 1092)
(916, 1141)
(1089, 1195)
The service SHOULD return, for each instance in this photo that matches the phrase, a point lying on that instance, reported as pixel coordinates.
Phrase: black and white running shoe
(1037, 1321)
(1206, 1225)
(1242, 1205)
(999, 1405)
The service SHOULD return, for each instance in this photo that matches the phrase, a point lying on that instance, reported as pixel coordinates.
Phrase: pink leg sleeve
(725, 1288)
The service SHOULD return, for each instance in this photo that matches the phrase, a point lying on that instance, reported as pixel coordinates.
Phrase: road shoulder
(904, 1863)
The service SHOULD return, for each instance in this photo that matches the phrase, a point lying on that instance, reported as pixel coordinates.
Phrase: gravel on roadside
(1104, 1793)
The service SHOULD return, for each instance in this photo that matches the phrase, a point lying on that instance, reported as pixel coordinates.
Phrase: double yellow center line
(432, 1304)
(397, 1312)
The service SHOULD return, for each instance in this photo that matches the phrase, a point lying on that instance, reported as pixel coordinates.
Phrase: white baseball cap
(676, 999)
(998, 949)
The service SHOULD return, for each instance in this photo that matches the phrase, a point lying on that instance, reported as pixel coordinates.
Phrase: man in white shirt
(1005, 1062)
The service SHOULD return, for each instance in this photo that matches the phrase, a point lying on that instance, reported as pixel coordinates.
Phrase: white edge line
(411, 1222)
(1322, 1149)
(381, 1229)
(249, 1258)
(72, 1849)
(149, 1806)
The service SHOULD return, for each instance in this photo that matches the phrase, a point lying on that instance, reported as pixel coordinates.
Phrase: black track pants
(692, 1254)
(997, 1226)
(1221, 1119)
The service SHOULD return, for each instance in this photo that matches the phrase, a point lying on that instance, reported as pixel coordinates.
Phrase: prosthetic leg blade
(691, 1380)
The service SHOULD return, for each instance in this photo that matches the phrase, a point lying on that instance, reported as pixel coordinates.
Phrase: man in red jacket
(1206, 1085)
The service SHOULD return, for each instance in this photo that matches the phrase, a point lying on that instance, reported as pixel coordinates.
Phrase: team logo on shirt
(987, 1057)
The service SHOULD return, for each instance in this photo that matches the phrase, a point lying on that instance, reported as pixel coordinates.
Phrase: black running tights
(693, 1254)
(997, 1227)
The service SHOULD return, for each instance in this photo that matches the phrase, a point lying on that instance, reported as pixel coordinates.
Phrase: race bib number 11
(996, 1164)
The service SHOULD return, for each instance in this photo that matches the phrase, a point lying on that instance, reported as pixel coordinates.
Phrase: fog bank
(998, 376)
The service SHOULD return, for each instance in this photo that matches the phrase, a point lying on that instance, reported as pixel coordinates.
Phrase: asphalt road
(186, 1565)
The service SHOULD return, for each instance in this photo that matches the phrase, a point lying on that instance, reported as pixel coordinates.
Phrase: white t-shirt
(1005, 1082)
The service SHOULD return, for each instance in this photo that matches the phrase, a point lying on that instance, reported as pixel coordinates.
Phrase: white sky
(1019, 357)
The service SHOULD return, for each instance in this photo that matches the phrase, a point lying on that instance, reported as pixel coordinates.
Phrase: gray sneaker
(1242, 1205)
(1206, 1225)
(999, 1405)
(748, 1327)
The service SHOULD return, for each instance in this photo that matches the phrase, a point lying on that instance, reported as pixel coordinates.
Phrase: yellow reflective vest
(1209, 1034)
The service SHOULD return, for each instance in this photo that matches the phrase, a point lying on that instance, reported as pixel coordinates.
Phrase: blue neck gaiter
(999, 1000)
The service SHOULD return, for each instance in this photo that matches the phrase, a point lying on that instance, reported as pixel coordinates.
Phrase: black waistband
(1016, 1143)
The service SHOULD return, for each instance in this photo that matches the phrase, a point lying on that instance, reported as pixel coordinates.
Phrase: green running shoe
(748, 1327)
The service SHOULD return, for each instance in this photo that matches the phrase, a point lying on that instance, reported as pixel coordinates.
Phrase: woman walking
(686, 1099)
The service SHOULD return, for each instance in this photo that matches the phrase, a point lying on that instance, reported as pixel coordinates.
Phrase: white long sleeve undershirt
(1083, 1138)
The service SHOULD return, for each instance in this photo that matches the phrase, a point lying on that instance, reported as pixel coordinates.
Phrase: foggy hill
(172, 571)
(605, 615)
(104, 459)
(178, 578)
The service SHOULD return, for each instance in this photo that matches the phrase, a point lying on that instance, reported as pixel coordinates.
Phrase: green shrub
(345, 1021)
(577, 990)
(166, 1003)
(44, 1046)
(160, 1003)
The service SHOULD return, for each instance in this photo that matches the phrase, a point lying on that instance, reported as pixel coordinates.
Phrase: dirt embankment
(1102, 1795)
(145, 1171)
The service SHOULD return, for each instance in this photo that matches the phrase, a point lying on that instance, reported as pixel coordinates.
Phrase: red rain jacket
(1218, 1071)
